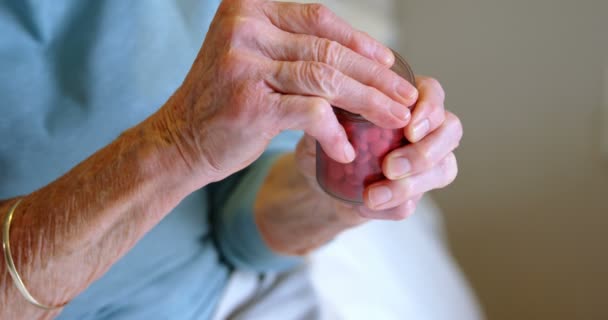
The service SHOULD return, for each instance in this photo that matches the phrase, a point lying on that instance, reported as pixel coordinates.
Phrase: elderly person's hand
(264, 67)
(270, 66)
(426, 164)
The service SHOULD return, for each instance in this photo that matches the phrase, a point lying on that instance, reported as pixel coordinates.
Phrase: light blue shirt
(74, 75)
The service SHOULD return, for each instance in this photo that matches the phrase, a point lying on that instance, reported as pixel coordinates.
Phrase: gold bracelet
(10, 264)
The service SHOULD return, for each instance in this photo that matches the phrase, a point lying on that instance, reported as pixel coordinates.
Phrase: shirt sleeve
(233, 227)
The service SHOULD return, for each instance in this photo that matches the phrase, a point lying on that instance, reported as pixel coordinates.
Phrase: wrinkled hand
(269, 66)
(426, 164)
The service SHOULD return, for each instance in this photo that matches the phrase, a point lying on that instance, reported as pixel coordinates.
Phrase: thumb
(306, 153)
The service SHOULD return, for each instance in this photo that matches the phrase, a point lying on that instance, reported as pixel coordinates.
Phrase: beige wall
(528, 215)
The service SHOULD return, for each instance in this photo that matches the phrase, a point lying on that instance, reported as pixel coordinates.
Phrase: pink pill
(379, 148)
(349, 169)
(362, 147)
(363, 157)
(373, 134)
(371, 144)
(335, 171)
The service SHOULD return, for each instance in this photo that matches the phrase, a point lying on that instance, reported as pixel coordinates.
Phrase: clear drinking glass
(372, 143)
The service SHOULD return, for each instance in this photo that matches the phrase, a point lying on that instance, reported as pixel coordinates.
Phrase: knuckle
(432, 82)
(321, 77)
(328, 51)
(318, 14)
(424, 155)
(449, 116)
(436, 113)
(318, 111)
(439, 113)
(449, 168)
(406, 189)
(378, 72)
(436, 86)
(454, 121)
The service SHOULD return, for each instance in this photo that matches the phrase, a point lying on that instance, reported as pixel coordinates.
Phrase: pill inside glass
(347, 182)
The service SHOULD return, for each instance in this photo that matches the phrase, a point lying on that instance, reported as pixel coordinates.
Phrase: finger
(318, 20)
(322, 80)
(306, 150)
(400, 212)
(425, 154)
(315, 116)
(429, 112)
(284, 46)
(389, 194)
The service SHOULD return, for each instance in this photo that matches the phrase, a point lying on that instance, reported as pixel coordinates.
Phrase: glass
(372, 143)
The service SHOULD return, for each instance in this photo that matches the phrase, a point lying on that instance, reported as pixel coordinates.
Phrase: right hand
(269, 66)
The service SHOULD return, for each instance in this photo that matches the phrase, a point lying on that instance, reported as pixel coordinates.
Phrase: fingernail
(421, 129)
(399, 167)
(400, 112)
(408, 93)
(380, 195)
(349, 152)
(385, 56)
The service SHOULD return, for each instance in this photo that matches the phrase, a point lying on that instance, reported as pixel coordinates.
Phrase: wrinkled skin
(258, 74)
(266, 67)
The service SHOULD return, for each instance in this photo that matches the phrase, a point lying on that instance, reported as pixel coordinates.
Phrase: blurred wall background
(528, 215)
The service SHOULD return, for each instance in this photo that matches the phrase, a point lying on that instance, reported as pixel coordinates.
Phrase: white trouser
(383, 270)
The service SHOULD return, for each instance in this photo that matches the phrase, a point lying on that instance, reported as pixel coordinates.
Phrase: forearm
(67, 234)
(294, 215)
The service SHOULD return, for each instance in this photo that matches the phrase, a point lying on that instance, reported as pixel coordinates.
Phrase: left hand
(426, 164)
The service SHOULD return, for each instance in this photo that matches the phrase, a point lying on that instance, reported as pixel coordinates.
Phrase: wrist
(294, 215)
(168, 151)
(345, 215)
